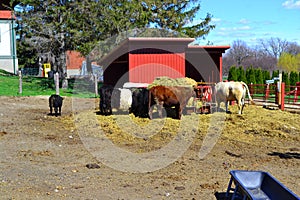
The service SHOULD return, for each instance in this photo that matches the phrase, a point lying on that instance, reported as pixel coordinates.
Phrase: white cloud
(241, 28)
(215, 19)
(244, 21)
(290, 4)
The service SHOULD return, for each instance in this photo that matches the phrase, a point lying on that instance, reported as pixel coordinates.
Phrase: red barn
(141, 60)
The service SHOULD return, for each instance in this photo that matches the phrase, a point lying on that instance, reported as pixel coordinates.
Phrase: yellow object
(47, 68)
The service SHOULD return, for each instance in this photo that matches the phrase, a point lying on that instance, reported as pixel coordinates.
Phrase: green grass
(34, 86)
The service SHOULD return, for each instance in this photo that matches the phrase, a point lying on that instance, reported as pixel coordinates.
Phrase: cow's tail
(250, 98)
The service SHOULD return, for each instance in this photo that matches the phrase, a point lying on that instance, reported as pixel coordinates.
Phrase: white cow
(232, 91)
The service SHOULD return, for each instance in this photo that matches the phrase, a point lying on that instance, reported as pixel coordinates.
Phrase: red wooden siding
(144, 68)
(5, 14)
(74, 60)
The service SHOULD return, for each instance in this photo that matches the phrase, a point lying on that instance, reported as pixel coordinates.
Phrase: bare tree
(293, 48)
(261, 59)
(274, 46)
(239, 51)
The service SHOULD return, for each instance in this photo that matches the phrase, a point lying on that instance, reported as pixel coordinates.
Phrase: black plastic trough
(257, 185)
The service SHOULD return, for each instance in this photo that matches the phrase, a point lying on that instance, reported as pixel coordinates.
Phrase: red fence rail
(275, 95)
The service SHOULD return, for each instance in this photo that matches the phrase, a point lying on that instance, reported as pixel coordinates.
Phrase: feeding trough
(257, 185)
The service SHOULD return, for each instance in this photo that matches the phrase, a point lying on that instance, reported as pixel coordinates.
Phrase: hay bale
(167, 81)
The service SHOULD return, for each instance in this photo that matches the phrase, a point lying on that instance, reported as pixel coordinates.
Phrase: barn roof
(164, 43)
(212, 49)
(135, 43)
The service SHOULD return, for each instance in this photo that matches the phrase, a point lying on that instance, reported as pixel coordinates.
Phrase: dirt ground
(48, 157)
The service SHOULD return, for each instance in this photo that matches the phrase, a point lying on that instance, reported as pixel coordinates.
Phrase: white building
(8, 52)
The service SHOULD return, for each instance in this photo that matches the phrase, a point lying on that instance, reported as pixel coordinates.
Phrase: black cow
(140, 99)
(56, 102)
(105, 99)
(169, 96)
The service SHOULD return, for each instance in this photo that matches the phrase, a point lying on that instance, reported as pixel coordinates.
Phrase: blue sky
(251, 20)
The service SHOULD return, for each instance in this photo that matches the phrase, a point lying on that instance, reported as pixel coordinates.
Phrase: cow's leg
(59, 109)
(239, 102)
(226, 106)
(56, 110)
(218, 106)
(243, 104)
(150, 112)
(178, 111)
(159, 109)
(51, 110)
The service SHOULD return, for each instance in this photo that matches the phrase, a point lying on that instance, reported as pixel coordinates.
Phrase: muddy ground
(79, 155)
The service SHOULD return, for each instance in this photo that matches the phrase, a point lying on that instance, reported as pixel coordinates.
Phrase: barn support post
(282, 88)
(56, 79)
(20, 82)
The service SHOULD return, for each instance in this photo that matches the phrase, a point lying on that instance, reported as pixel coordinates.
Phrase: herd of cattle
(141, 100)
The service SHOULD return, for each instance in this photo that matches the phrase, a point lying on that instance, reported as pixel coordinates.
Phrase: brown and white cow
(232, 91)
(169, 96)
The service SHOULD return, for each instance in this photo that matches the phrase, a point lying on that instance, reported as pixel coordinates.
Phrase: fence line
(270, 95)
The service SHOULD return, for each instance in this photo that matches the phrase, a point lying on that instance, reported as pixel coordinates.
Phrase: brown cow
(169, 96)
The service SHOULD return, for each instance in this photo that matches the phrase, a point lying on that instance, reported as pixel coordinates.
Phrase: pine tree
(259, 76)
(250, 74)
(241, 74)
(266, 75)
(293, 78)
(286, 80)
(53, 27)
(275, 73)
(232, 75)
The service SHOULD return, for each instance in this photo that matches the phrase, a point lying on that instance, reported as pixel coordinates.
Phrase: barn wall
(145, 67)
(8, 50)
(116, 73)
(204, 65)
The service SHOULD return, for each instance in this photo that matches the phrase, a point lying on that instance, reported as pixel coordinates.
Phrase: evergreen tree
(266, 75)
(293, 78)
(250, 74)
(53, 27)
(232, 75)
(259, 76)
(241, 74)
(286, 80)
(275, 73)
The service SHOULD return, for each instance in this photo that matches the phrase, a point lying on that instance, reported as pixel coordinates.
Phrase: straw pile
(167, 81)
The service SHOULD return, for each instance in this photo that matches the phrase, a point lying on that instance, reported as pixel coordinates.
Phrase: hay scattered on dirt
(256, 122)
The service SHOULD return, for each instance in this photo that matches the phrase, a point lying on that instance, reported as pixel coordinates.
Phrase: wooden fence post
(295, 95)
(282, 95)
(56, 79)
(96, 84)
(20, 82)
(267, 91)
